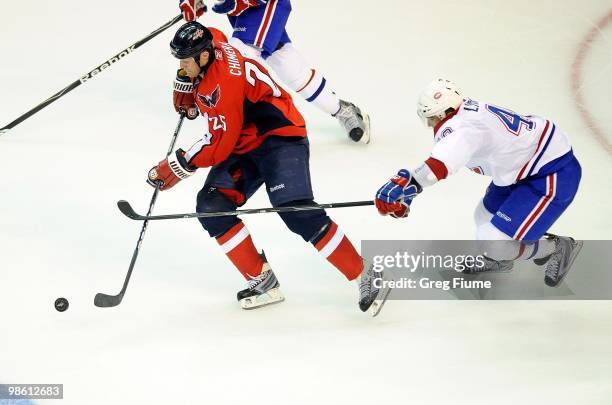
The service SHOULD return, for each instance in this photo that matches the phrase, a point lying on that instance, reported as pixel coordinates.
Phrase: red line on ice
(583, 50)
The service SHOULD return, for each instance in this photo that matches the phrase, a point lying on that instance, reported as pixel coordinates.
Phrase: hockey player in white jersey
(535, 177)
(260, 34)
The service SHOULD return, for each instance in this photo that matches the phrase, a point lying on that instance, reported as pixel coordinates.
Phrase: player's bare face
(433, 121)
(192, 68)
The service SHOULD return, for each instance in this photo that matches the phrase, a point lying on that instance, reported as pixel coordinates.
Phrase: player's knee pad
(307, 224)
(488, 231)
(210, 200)
(495, 244)
(296, 73)
(248, 51)
(290, 66)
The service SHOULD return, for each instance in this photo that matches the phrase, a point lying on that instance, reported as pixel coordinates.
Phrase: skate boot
(261, 290)
(491, 266)
(354, 121)
(372, 296)
(561, 260)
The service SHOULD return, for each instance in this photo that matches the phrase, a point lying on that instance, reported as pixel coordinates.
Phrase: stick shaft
(90, 75)
(151, 205)
(127, 210)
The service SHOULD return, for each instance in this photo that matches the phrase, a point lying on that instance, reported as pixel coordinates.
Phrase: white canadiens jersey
(497, 142)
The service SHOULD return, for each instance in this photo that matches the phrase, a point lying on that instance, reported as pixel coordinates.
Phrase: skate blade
(272, 296)
(475, 273)
(365, 138)
(379, 302)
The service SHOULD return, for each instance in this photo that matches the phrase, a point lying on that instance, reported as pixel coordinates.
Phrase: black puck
(61, 304)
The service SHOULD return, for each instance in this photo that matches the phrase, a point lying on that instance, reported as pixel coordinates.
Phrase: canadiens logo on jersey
(447, 131)
(211, 100)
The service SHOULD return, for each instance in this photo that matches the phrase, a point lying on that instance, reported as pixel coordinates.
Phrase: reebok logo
(108, 63)
(503, 216)
(276, 188)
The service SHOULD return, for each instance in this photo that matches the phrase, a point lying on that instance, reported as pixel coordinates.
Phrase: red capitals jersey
(242, 106)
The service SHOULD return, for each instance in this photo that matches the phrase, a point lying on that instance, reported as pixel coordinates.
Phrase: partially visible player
(253, 135)
(259, 33)
(534, 170)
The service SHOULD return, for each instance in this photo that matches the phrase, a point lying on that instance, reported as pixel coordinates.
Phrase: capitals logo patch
(198, 34)
(211, 99)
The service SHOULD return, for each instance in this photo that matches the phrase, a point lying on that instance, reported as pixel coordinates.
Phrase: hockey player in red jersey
(253, 135)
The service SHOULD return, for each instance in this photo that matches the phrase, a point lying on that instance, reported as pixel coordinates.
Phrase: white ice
(179, 336)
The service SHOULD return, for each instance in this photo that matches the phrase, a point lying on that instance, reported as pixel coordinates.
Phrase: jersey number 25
(513, 122)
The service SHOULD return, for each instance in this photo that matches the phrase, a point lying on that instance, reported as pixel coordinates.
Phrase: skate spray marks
(578, 83)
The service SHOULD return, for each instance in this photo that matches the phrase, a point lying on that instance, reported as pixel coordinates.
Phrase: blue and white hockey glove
(235, 7)
(395, 196)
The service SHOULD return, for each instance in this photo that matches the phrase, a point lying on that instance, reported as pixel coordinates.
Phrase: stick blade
(107, 301)
(127, 210)
(4, 131)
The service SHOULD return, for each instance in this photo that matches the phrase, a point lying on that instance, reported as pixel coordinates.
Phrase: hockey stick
(105, 300)
(127, 210)
(91, 74)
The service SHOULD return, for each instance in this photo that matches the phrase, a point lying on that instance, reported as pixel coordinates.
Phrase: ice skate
(354, 121)
(561, 260)
(490, 266)
(372, 295)
(261, 290)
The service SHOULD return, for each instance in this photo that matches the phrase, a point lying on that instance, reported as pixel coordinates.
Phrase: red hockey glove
(170, 171)
(183, 97)
(192, 9)
(398, 209)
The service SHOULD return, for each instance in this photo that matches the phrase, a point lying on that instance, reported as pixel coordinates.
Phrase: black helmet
(190, 40)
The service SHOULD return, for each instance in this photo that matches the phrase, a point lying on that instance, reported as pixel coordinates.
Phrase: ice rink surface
(179, 337)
